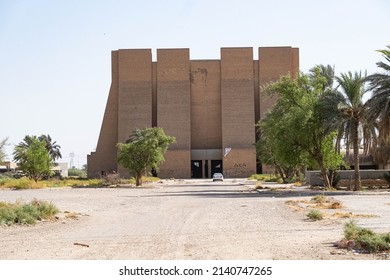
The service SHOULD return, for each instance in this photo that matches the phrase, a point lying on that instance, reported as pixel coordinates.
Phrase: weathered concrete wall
(135, 91)
(275, 62)
(239, 163)
(206, 122)
(174, 107)
(105, 157)
(313, 177)
(238, 109)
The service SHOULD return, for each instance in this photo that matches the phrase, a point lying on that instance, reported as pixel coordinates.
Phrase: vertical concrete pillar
(174, 110)
(135, 92)
(238, 112)
(274, 62)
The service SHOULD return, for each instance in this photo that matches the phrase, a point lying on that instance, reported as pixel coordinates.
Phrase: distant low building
(60, 168)
(7, 166)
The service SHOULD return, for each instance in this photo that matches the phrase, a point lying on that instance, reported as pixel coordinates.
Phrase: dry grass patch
(350, 215)
(295, 204)
(72, 215)
(323, 202)
(319, 202)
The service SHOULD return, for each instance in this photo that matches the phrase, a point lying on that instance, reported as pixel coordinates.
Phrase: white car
(217, 177)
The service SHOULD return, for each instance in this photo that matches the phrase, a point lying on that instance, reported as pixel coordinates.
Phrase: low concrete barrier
(314, 177)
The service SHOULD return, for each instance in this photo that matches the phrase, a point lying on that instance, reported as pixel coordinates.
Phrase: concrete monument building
(210, 106)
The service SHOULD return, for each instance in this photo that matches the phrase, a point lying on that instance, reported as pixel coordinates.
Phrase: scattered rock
(81, 244)
(338, 252)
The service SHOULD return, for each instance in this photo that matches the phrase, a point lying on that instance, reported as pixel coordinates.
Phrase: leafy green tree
(144, 150)
(276, 147)
(52, 148)
(33, 159)
(292, 136)
(344, 110)
(379, 107)
(3, 143)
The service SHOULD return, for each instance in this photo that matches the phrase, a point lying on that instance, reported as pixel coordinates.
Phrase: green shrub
(7, 214)
(366, 239)
(373, 243)
(26, 213)
(353, 232)
(315, 215)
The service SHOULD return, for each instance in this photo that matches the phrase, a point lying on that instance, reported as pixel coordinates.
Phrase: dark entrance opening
(216, 166)
(196, 169)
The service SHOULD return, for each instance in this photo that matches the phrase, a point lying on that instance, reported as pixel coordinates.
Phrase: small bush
(366, 239)
(320, 199)
(315, 215)
(353, 232)
(263, 177)
(26, 213)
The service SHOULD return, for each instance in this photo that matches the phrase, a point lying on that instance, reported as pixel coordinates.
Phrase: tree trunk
(325, 177)
(356, 157)
(280, 171)
(138, 179)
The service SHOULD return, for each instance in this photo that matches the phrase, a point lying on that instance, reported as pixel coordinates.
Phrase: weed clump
(315, 215)
(366, 239)
(26, 213)
(319, 199)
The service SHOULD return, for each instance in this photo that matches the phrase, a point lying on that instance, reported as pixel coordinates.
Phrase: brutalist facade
(210, 106)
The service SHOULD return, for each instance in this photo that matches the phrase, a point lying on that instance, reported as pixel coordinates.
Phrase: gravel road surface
(186, 219)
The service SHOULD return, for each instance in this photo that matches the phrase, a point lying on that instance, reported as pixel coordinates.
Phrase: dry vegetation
(323, 202)
(26, 213)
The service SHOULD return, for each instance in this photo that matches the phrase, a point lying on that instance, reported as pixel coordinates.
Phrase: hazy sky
(55, 68)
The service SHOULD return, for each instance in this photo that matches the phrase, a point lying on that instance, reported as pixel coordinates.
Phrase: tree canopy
(292, 135)
(344, 111)
(378, 107)
(33, 159)
(144, 150)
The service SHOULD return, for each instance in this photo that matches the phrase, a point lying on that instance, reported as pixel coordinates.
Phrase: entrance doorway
(216, 166)
(196, 169)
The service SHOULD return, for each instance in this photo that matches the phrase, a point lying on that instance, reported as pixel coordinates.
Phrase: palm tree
(22, 146)
(344, 111)
(379, 106)
(325, 72)
(52, 147)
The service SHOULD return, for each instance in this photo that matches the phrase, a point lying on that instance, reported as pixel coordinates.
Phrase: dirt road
(190, 219)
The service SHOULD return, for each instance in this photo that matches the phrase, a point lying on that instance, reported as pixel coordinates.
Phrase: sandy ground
(187, 219)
